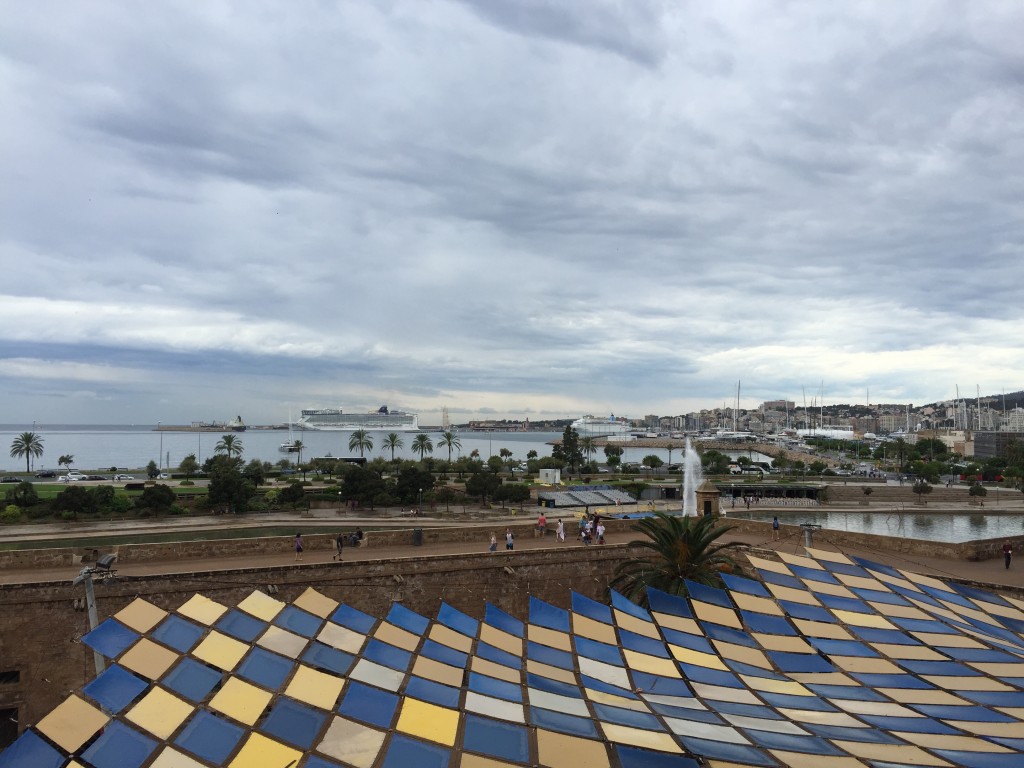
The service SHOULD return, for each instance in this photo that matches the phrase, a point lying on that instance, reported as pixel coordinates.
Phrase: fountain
(692, 477)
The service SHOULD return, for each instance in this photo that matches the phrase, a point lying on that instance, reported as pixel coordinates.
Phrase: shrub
(10, 514)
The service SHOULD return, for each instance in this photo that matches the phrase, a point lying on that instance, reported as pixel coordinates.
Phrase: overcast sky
(512, 209)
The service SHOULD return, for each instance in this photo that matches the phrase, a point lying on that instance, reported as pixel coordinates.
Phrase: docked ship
(336, 420)
(612, 428)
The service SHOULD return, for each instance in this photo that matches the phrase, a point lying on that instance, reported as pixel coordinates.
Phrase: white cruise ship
(335, 419)
(589, 426)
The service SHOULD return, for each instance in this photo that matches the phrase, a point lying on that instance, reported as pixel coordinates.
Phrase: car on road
(164, 476)
(123, 478)
(73, 477)
(10, 479)
(46, 473)
(96, 477)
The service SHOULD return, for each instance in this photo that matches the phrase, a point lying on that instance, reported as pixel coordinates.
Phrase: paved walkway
(987, 571)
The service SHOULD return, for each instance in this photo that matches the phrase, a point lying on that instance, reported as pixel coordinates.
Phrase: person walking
(542, 525)
(1007, 553)
(339, 544)
(600, 533)
(775, 527)
(493, 547)
(560, 531)
(509, 539)
(298, 546)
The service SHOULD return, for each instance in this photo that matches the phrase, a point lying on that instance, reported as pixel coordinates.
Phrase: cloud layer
(522, 209)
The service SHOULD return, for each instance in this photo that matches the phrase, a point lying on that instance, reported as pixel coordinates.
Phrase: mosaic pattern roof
(825, 661)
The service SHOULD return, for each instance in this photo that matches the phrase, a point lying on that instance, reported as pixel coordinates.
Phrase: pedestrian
(357, 538)
(509, 539)
(600, 533)
(775, 527)
(339, 544)
(493, 547)
(298, 546)
(560, 532)
(1007, 553)
(542, 525)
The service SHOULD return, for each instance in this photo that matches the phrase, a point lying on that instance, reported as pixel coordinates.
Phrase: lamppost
(161, 456)
(419, 502)
(339, 502)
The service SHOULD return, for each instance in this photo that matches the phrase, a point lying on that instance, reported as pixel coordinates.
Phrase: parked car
(10, 479)
(72, 477)
(123, 478)
(96, 477)
(46, 473)
(164, 476)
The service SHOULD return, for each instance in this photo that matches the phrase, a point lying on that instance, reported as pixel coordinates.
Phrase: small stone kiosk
(708, 499)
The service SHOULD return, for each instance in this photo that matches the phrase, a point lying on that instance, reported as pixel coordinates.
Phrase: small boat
(289, 446)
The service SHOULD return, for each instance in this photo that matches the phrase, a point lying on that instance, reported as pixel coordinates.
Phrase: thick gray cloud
(516, 208)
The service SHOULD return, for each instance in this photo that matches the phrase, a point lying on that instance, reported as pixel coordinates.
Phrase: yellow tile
(801, 596)
(823, 678)
(722, 693)
(352, 743)
(438, 672)
(916, 652)
(872, 620)
(898, 611)
(757, 604)
(428, 721)
(784, 643)
(804, 562)
(148, 659)
(828, 556)
(611, 700)
(500, 671)
(621, 734)
(927, 581)
(969, 613)
(668, 621)
(396, 636)
(314, 687)
(892, 753)
(160, 712)
(1005, 611)
(862, 582)
(140, 615)
(894, 581)
(448, 636)
(817, 717)
(72, 723)
(769, 565)
(716, 614)
(544, 670)
(995, 730)
(549, 637)
(767, 685)
(241, 700)
(341, 638)
(742, 654)
(557, 750)
(937, 640)
(501, 640)
(316, 603)
(593, 630)
(884, 708)
(261, 752)
(866, 666)
(923, 696)
(202, 609)
(801, 760)
(633, 624)
(283, 642)
(824, 588)
(821, 629)
(221, 651)
(655, 665)
(261, 605)
(697, 658)
(172, 758)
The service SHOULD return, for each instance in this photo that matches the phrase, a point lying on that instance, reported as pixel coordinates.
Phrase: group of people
(591, 528)
(352, 539)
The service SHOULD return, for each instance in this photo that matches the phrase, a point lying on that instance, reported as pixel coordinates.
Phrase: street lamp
(161, 456)
(419, 502)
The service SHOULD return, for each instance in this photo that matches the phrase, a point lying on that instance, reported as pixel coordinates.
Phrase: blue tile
(837, 603)
(673, 605)
(813, 574)
(177, 633)
(264, 668)
(542, 683)
(556, 721)
(498, 689)
(665, 686)
(496, 739)
(546, 615)
(885, 680)
(938, 668)
(891, 636)
(910, 724)
(786, 701)
(686, 640)
(328, 659)
(435, 693)
(110, 638)
(626, 605)
(634, 757)
(849, 692)
(498, 656)
(745, 586)
(629, 717)
(808, 612)
(293, 723)
(347, 616)
(770, 625)
(975, 714)
(298, 621)
(318, 762)
(843, 733)
(369, 705)
(545, 654)
(404, 752)
(846, 569)
(720, 750)
(750, 670)
(241, 625)
(681, 713)
(210, 737)
(995, 698)
(600, 685)
(923, 625)
(408, 620)
(782, 580)
(979, 594)
(30, 751)
(444, 654)
(641, 644)
(979, 654)
(591, 608)
(192, 679)
(457, 620)
(979, 759)
(591, 649)
(706, 594)
(699, 674)
(728, 634)
(876, 596)
(498, 619)
(793, 743)
(387, 654)
(115, 688)
(799, 662)
(747, 710)
(842, 647)
(887, 570)
(948, 596)
(119, 746)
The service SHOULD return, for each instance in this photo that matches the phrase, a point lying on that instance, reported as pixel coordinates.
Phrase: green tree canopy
(29, 445)
(422, 445)
(230, 446)
(360, 440)
(392, 442)
(189, 465)
(450, 440)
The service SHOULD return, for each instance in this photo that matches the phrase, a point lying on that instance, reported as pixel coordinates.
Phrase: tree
(412, 482)
(568, 450)
(612, 454)
(422, 445)
(227, 486)
(189, 466)
(714, 463)
(392, 441)
(483, 485)
(297, 446)
(362, 485)
(152, 470)
(678, 548)
(23, 494)
(922, 488)
(360, 439)
(505, 455)
(157, 499)
(450, 440)
(531, 454)
(255, 472)
(978, 490)
(73, 500)
(66, 461)
(588, 447)
(652, 461)
(29, 445)
(671, 447)
(230, 446)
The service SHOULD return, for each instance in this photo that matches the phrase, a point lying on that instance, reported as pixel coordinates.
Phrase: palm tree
(680, 548)
(66, 460)
(422, 445)
(587, 446)
(392, 441)
(27, 444)
(360, 439)
(229, 445)
(505, 455)
(297, 447)
(450, 440)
